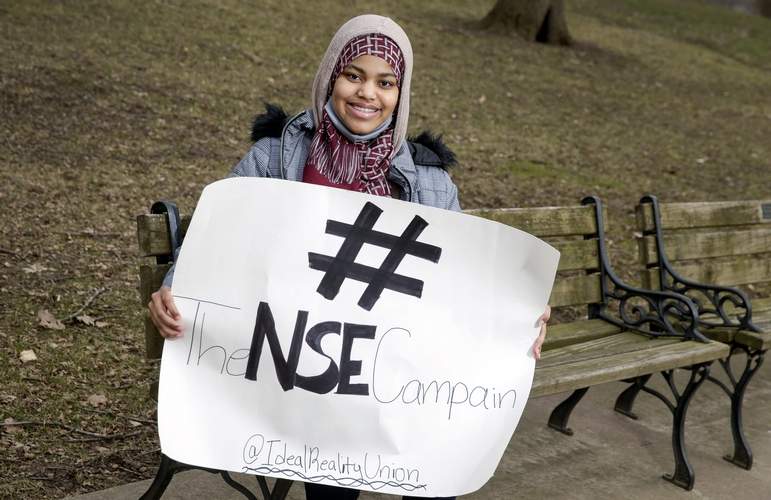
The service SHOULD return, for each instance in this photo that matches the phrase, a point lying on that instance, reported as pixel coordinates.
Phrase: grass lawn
(108, 106)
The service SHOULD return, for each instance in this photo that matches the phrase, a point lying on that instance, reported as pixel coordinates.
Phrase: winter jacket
(281, 147)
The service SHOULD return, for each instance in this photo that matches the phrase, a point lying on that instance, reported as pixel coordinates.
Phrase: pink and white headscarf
(361, 165)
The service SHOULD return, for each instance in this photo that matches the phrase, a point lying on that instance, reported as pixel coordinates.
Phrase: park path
(609, 457)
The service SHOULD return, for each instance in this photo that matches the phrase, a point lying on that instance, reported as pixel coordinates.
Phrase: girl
(353, 137)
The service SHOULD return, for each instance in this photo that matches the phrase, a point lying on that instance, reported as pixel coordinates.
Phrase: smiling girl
(353, 137)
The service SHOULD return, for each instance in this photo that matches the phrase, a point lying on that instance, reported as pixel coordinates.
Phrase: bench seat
(562, 334)
(753, 340)
(619, 356)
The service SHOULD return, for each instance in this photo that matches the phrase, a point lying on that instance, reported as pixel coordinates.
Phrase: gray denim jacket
(423, 181)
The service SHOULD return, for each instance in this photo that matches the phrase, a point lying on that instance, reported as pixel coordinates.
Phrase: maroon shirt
(311, 175)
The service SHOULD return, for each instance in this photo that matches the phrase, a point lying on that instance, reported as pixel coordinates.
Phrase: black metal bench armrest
(654, 313)
(710, 300)
(175, 240)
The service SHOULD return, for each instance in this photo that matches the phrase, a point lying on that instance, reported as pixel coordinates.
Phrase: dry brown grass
(108, 106)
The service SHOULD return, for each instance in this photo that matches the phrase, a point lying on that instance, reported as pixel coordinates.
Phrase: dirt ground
(109, 106)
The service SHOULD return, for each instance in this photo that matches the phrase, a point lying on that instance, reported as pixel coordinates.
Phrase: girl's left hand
(539, 341)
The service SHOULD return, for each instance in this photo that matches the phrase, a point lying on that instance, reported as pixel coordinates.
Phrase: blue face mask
(340, 126)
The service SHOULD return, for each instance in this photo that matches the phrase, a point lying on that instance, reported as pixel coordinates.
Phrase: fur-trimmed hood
(426, 148)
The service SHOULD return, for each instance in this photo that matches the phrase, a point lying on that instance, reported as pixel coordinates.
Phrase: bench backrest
(154, 245)
(572, 230)
(725, 243)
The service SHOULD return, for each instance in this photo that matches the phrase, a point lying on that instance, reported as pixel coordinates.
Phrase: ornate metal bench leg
(166, 471)
(683, 475)
(237, 486)
(280, 488)
(626, 399)
(742, 456)
(558, 420)
(263, 486)
(169, 467)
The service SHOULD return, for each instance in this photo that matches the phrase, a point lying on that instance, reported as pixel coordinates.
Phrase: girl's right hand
(164, 313)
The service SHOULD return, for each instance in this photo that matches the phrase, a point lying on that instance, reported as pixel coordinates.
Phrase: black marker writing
(311, 464)
(445, 392)
(415, 391)
(286, 367)
(343, 265)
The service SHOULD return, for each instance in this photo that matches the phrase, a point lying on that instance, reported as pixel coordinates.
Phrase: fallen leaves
(48, 320)
(34, 268)
(7, 398)
(90, 321)
(97, 400)
(85, 319)
(27, 356)
(9, 427)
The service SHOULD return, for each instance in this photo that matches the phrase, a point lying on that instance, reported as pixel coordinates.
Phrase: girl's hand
(164, 313)
(539, 341)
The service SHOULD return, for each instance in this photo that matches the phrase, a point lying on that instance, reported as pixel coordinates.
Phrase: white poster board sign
(351, 340)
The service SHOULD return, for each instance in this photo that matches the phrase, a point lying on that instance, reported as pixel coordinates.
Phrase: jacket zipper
(406, 186)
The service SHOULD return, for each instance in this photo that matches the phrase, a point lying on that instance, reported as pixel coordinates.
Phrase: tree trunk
(764, 7)
(534, 20)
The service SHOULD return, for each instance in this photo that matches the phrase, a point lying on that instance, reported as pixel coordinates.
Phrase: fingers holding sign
(164, 313)
(542, 335)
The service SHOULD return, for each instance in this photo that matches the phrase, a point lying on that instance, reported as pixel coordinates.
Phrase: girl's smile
(365, 94)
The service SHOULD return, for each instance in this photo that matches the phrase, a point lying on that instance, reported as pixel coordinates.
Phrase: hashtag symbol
(337, 269)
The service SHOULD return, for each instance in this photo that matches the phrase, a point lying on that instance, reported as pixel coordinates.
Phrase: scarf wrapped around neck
(347, 160)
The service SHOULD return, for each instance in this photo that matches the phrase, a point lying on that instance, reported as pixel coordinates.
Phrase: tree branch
(88, 302)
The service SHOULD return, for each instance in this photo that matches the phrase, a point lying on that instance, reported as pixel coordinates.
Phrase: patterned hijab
(343, 158)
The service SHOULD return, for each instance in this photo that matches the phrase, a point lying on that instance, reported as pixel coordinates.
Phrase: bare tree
(534, 20)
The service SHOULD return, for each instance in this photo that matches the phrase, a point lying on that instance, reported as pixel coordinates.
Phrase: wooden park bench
(701, 250)
(622, 333)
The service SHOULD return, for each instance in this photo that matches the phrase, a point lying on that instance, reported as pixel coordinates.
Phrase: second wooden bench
(703, 250)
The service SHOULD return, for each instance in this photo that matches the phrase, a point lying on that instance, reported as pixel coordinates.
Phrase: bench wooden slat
(704, 214)
(584, 254)
(602, 348)
(761, 317)
(577, 254)
(575, 290)
(626, 247)
(544, 221)
(153, 233)
(562, 334)
(685, 246)
(654, 358)
(150, 279)
(761, 304)
(753, 340)
(153, 339)
(740, 271)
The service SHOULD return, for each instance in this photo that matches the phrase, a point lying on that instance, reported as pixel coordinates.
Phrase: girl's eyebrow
(381, 75)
